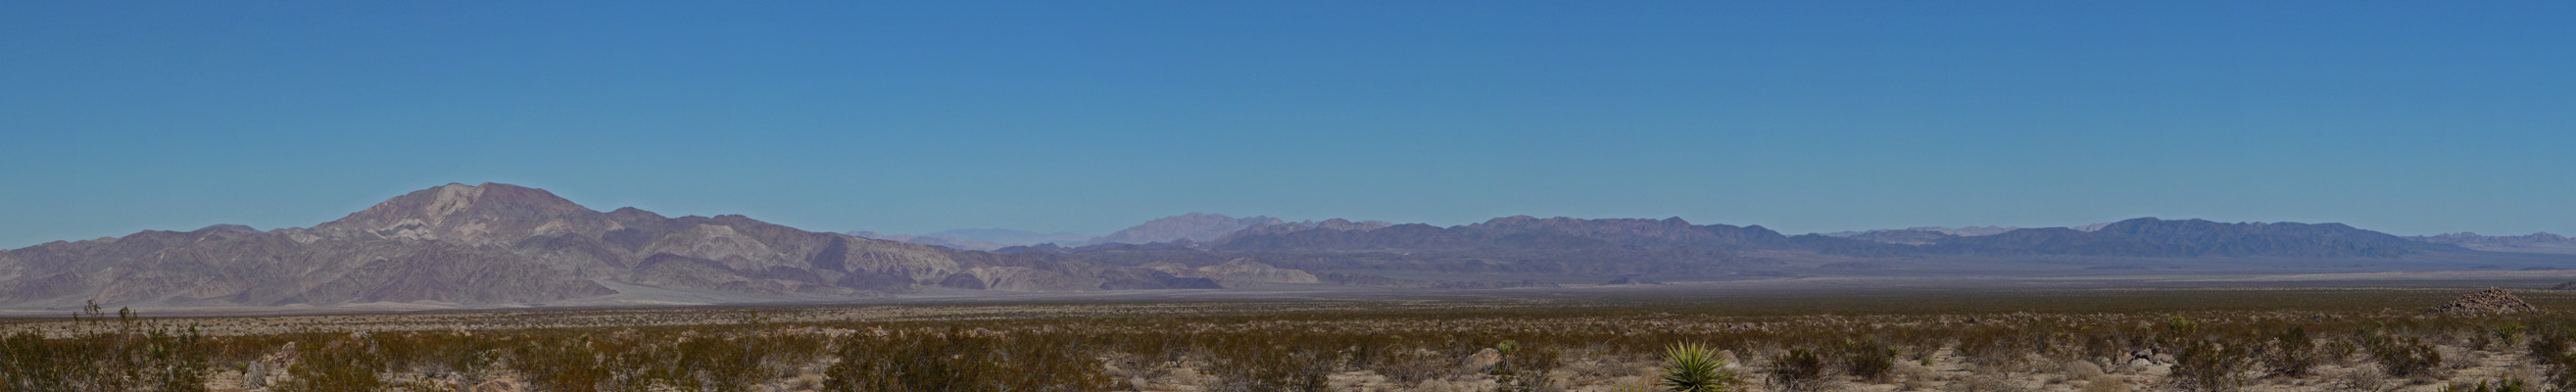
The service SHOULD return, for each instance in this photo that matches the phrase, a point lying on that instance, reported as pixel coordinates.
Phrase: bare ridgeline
(503, 288)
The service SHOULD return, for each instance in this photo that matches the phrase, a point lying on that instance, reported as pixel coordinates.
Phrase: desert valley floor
(2285, 332)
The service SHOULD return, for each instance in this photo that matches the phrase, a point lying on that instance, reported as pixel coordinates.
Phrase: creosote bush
(127, 353)
(2404, 356)
(2210, 366)
(1799, 369)
(2290, 353)
(1539, 349)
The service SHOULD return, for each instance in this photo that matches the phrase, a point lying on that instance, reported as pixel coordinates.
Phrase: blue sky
(2406, 117)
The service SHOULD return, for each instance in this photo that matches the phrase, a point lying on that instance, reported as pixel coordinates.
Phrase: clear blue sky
(2406, 117)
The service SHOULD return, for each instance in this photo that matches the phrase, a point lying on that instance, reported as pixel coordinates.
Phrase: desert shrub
(2290, 354)
(327, 364)
(2178, 328)
(728, 364)
(555, 363)
(1522, 368)
(1410, 366)
(948, 362)
(964, 362)
(1145, 357)
(2105, 384)
(1692, 367)
(1053, 363)
(2508, 334)
(2505, 385)
(2363, 379)
(2558, 367)
(1866, 359)
(1998, 349)
(2203, 365)
(1799, 369)
(128, 354)
(2405, 356)
(1246, 366)
(1987, 382)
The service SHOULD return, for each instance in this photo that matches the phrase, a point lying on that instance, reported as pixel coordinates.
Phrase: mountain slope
(2151, 237)
(2533, 243)
(504, 244)
(1508, 233)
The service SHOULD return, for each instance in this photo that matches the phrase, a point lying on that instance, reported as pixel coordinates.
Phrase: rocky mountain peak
(466, 212)
(489, 199)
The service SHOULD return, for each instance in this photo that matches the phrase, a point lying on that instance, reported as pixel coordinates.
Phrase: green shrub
(130, 354)
(964, 362)
(324, 365)
(1799, 369)
(2405, 356)
(2291, 354)
(2204, 365)
(1866, 359)
(1524, 369)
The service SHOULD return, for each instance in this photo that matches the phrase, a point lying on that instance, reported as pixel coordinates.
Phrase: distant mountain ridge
(1015, 237)
(500, 244)
(1195, 227)
(1516, 232)
(2142, 237)
(979, 239)
(2151, 237)
(504, 244)
(2531, 243)
(1970, 231)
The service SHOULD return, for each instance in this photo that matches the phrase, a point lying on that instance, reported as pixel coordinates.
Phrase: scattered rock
(2489, 301)
(496, 386)
(255, 376)
(1482, 360)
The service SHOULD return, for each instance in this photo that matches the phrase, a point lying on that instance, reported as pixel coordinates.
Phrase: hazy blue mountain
(978, 239)
(2531, 243)
(1196, 227)
(1011, 237)
(2151, 237)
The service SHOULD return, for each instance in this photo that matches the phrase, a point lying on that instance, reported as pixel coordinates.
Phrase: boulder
(1481, 360)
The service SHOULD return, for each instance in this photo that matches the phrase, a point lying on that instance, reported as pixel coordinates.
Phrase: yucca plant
(1693, 367)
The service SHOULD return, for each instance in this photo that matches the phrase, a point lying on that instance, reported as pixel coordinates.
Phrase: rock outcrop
(2489, 301)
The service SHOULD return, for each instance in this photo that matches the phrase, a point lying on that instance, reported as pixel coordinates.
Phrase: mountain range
(1193, 227)
(2533, 243)
(979, 239)
(502, 244)
(506, 245)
